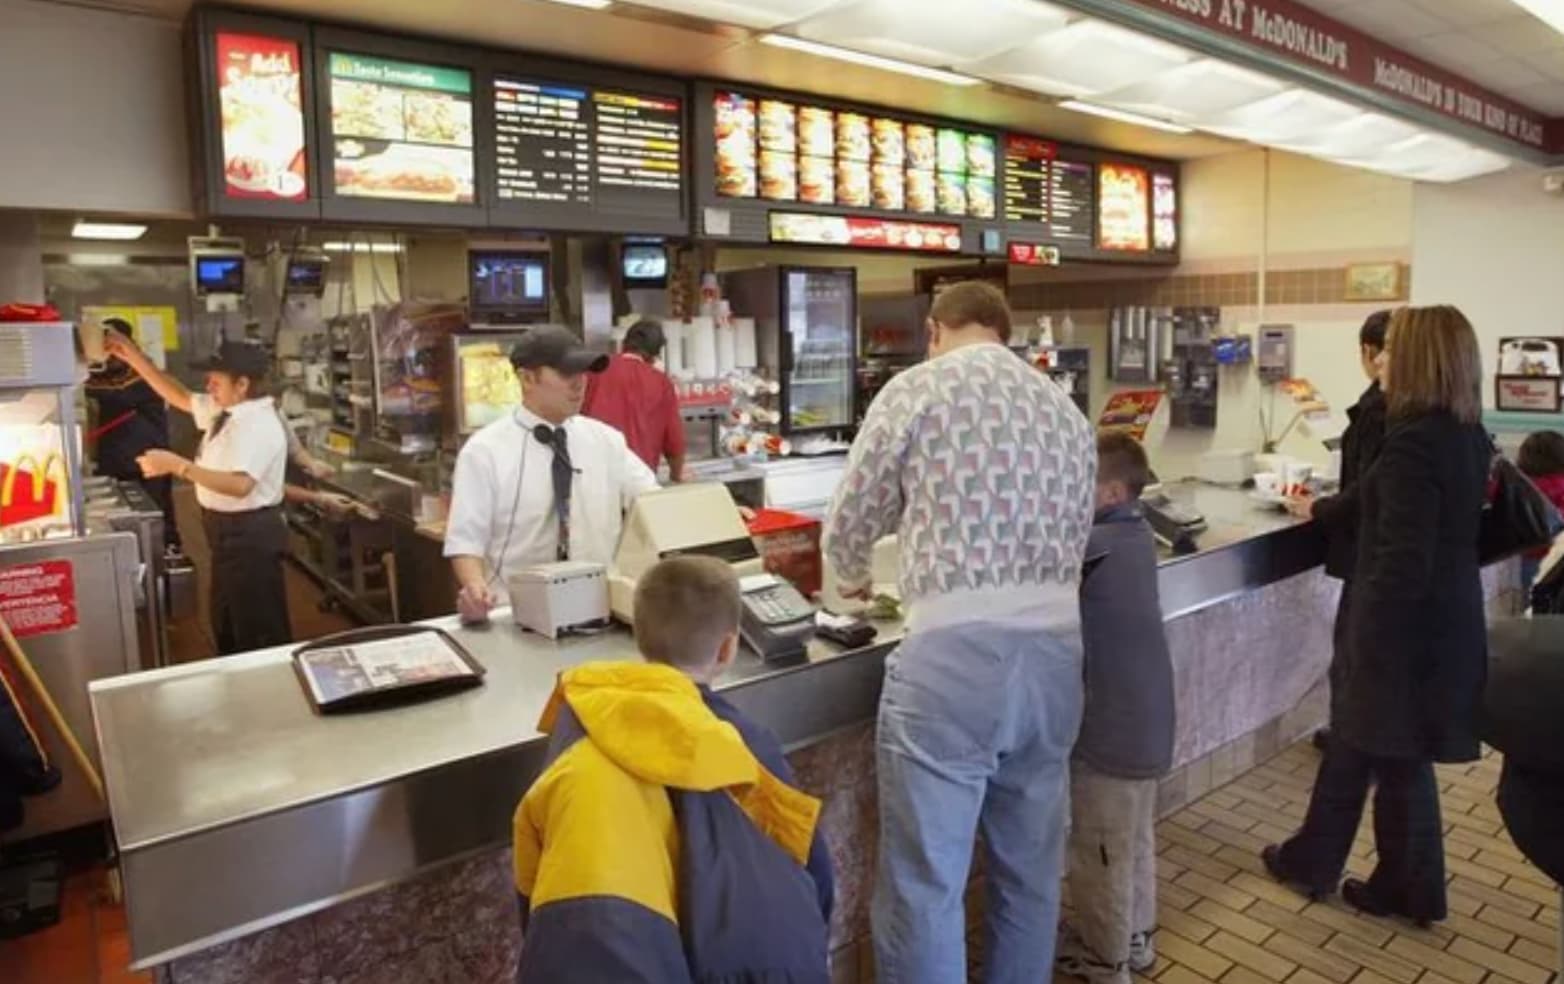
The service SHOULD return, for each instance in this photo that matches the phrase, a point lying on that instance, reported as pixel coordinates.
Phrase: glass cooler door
(820, 315)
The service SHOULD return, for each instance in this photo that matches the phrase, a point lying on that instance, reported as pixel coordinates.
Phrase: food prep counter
(354, 838)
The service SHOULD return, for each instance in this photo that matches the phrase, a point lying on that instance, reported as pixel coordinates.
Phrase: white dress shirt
(502, 495)
(251, 441)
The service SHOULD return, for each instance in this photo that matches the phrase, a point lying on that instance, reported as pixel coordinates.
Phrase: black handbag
(1517, 517)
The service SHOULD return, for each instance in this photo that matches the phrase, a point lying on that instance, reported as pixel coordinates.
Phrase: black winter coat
(1337, 515)
(1417, 650)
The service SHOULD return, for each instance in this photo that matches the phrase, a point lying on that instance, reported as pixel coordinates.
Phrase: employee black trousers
(1409, 878)
(249, 597)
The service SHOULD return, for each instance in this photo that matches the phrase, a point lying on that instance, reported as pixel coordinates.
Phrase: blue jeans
(976, 726)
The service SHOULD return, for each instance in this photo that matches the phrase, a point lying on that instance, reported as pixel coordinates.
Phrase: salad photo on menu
(259, 95)
(401, 130)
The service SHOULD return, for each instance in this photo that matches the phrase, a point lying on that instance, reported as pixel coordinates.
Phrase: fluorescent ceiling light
(872, 61)
(1123, 116)
(97, 259)
(336, 247)
(1550, 12)
(1432, 157)
(933, 32)
(1084, 59)
(1291, 115)
(1361, 136)
(760, 15)
(588, 4)
(107, 230)
(1199, 90)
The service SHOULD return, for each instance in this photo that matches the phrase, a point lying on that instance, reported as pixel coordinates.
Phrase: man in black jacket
(1337, 515)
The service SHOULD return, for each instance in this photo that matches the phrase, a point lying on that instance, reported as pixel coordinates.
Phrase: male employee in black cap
(238, 478)
(543, 483)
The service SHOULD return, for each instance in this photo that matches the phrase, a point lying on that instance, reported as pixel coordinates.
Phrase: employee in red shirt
(635, 397)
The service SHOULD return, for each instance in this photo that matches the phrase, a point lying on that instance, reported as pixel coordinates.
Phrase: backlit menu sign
(591, 149)
(260, 92)
(1052, 195)
(1164, 212)
(864, 233)
(781, 150)
(401, 130)
(1124, 208)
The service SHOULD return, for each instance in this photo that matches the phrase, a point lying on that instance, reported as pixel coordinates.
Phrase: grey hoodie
(1128, 728)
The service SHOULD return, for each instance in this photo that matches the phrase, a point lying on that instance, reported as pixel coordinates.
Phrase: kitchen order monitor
(585, 154)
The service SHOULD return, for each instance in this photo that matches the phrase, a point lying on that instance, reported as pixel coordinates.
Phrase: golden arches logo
(40, 476)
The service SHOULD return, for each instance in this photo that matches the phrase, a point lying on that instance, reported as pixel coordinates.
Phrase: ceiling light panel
(1084, 59)
(1362, 136)
(762, 15)
(863, 58)
(1198, 90)
(1287, 116)
(1123, 116)
(933, 32)
(107, 230)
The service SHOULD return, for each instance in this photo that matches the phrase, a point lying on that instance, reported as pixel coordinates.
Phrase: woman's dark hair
(1434, 364)
(1542, 453)
(1372, 334)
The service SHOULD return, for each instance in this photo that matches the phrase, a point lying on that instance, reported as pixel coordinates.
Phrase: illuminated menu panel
(1164, 212)
(782, 151)
(1028, 163)
(1070, 202)
(260, 93)
(1124, 208)
(559, 144)
(401, 130)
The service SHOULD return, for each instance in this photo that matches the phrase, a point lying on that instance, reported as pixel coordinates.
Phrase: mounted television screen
(508, 286)
(644, 265)
(218, 274)
(306, 276)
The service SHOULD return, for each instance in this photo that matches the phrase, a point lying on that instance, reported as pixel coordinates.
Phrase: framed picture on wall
(1526, 394)
(1531, 374)
(1373, 282)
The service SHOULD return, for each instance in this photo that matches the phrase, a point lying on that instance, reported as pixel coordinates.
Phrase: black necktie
(218, 424)
(564, 475)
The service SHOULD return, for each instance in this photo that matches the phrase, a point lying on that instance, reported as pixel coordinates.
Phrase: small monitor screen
(645, 265)
(306, 276)
(509, 285)
(219, 274)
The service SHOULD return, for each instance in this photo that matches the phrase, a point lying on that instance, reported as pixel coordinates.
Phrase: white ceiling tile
(1393, 21)
(1468, 13)
(1545, 98)
(1549, 63)
(1501, 76)
(933, 32)
(1521, 34)
(1456, 51)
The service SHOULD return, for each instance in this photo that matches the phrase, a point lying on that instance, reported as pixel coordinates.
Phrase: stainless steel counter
(236, 807)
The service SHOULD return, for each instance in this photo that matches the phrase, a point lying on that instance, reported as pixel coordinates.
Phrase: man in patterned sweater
(986, 470)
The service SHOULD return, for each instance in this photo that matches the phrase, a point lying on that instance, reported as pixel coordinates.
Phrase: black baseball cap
(553, 347)
(237, 359)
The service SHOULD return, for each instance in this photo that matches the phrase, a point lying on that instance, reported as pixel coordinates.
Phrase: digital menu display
(846, 230)
(1070, 201)
(568, 144)
(1051, 194)
(260, 96)
(1164, 212)
(1123, 208)
(782, 151)
(401, 130)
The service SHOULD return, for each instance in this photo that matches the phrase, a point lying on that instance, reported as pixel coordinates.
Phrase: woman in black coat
(1336, 516)
(1416, 646)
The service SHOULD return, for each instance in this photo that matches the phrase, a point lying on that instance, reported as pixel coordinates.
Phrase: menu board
(1123, 208)
(401, 130)
(260, 98)
(1070, 200)
(845, 230)
(1164, 212)
(572, 145)
(781, 151)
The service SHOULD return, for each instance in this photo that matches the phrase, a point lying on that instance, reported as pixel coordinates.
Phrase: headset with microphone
(545, 435)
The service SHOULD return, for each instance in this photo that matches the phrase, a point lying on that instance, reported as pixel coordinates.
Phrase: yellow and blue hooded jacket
(664, 841)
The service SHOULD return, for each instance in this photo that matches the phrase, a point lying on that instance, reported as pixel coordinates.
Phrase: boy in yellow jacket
(664, 841)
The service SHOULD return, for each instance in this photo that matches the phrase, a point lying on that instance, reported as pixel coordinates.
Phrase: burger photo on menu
(778, 176)
(778, 128)
(852, 137)
(889, 183)
(852, 184)
(736, 161)
(890, 143)
(980, 198)
(920, 191)
(921, 149)
(981, 158)
(816, 180)
(816, 132)
(952, 151)
(952, 194)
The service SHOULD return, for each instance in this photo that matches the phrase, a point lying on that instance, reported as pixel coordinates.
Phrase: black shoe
(1272, 858)
(1356, 893)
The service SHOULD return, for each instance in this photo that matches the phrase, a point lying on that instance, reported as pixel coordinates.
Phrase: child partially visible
(1541, 459)
(1126, 740)
(664, 840)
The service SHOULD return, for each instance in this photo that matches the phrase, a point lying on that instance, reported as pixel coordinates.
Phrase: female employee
(238, 478)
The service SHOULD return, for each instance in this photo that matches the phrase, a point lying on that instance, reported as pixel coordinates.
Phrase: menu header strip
(363, 68)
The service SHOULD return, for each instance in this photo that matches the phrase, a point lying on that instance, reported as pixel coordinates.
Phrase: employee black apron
(249, 597)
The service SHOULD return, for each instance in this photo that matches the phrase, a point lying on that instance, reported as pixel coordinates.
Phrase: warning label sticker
(36, 599)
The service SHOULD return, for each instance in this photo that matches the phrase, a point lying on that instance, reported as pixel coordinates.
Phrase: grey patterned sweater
(986, 470)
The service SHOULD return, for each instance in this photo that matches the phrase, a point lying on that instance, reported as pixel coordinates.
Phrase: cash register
(702, 520)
